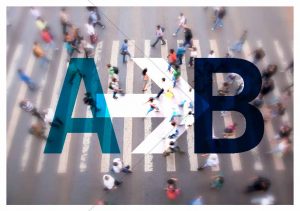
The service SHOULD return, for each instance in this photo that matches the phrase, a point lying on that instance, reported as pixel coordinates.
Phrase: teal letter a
(81, 68)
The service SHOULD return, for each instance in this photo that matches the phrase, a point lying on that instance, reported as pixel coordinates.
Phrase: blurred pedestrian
(266, 88)
(110, 183)
(193, 55)
(64, 20)
(40, 54)
(146, 79)
(258, 55)
(27, 106)
(47, 37)
(118, 166)
(188, 120)
(259, 184)
(197, 201)
(94, 17)
(171, 59)
(281, 148)
(159, 36)
(48, 116)
(268, 72)
(188, 36)
(90, 29)
(35, 12)
(172, 191)
(211, 161)
(171, 147)
(40, 23)
(211, 54)
(217, 182)
(124, 50)
(112, 72)
(284, 132)
(38, 130)
(180, 53)
(88, 100)
(230, 130)
(181, 22)
(219, 15)
(237, 47)
(25, 78)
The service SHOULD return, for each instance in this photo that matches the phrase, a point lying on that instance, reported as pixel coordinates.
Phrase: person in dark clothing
(88, 100)
(267, 87)
(269, 71)
(259, 184)
(258, 55)
(220, 13)
(188, 36)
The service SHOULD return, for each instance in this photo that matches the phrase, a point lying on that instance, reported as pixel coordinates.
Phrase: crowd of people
(78, 43)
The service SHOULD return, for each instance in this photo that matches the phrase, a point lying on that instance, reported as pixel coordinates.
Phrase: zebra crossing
(187, 141)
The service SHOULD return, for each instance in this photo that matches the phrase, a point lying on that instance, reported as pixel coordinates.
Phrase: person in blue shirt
(179, 54)
(124, 50)
(25, 78)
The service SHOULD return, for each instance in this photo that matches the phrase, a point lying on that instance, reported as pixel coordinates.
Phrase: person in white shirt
(110, 182)
(188, 120)
(118, 166)
(159, 36)
(35, 12)
(164, 87)
(211, 161)
(182, 22)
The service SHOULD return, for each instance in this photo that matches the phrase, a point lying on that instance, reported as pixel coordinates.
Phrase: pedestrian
(284, 132)
(180, 53)
(27, 106)
(259, 184)
(47, 37)
(40, 23)
(237, 47)
(163, 88)
(118, 166)
(88, 100)
(114, 85)
(112, 71)
(64, 20)
(230, 130)
(146, 79)
(124, 50)
(266, 88)
(219, 15)
(281, 148)
(188, 36)
(159, 36)
(38, 130)
(110, 183)
(217, 182)
(211, 161)
(172, 191)
(173, 134)
(181, 22)
(94, 17)
(152, 104)
(35, 12)
(197, 201)
(25, 78)
(176, 75)
(224, 89)
(171, 59)
(258, 55)
(188, 120)
(88, 49)
(90, 30)
(171, 147)
(211, 54)
(40, 54)
(268, 72)
(193, 55)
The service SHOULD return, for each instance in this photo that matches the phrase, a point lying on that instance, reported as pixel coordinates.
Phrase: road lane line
(235, 158)
(13, 66)
(148, 164)
(14, 119)
(193, 160)
(105, 158)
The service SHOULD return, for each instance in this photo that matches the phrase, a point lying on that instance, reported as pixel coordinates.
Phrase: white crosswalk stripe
(12, 73)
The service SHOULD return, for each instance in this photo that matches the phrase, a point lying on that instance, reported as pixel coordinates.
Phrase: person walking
(26, 79)
(112, 71)
(171, 147)
(193, 55)
(188, 36)
(88, 100)
(94, 17)
(40, 54)
(164, 87)
(159, 36)
(114, 85)
(259, 184)
(146, 79)
(230, 130)
(258, 55)
(40, 23)
(124, 50)
(180, 53)
(64, 20)
(219, 15)
(171, 59)
(176, 75)
(237, 47)
(27, 106)
(47, 37)
(172, 191)
(48, 117)
(217, 182)
(211, 161)
(152, 103)
(110, 183)
(182, 21)
(118, 166)
(211, 54)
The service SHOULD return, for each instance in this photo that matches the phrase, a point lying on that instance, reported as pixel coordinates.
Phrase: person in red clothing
(172, 191)
(48, 38)
(171, 59)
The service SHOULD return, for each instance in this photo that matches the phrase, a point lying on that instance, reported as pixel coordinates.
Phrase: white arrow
(157, 69)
